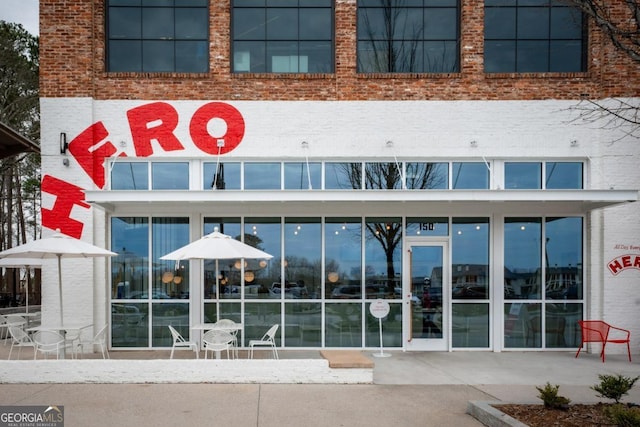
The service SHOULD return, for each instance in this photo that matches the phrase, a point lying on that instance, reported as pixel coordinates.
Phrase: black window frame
(270, 43)
(180, 44)
(408, 65)
(516, 62)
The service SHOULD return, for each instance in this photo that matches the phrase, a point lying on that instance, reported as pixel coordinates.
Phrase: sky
(23, 12)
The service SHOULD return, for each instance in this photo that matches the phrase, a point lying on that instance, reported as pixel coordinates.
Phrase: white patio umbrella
(216, 246)
(57, 246)
(22, 263)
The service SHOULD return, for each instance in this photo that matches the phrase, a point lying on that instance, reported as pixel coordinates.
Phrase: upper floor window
(533, 36)
(470, 176)
(158, 36)
(408, 36)
(564, 175)
(283, 36)
(557, 175)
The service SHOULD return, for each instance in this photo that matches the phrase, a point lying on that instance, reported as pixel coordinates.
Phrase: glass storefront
(326, 271)
(539, 313)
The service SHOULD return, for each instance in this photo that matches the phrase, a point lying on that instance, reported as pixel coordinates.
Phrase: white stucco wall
(435, 130)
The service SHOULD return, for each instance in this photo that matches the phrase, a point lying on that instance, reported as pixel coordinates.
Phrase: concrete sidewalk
(409, 389)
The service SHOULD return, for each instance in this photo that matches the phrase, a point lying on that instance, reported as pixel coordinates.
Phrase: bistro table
(231, 329)
(72, 327)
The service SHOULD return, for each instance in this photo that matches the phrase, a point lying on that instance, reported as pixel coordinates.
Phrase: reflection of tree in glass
(387, 54)
(387, 176)
(422, 176)
(252, 240)
(393, 42)
(256, 242)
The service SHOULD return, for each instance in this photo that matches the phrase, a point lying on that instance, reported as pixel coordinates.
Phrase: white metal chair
(217, 341)
(267, 339)
(4, 328)
(231, 327)
(100, 339)
(47, 342)
(16, 320)
(19, 338)
(179, 341)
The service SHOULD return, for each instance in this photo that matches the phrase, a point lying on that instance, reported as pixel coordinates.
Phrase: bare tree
(623, 31)
(389, 176)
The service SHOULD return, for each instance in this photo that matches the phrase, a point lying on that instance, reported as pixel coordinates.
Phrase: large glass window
(265, 234)
(470, 176)
(563, 175)
(170, 279)
(551, 321)
(343, 325)
(170, 176)
(470, 325)
(563, 252)
(383, 257)
(148, 293)
(221, 176)
(158, 36)
(522, 175)
(533, 36)
(130, 176)
(343, 258)
(293, 36)
(415, 36)
(303, 258)
(391, 329)
(470, 258)
(303, 324)
(129, 270)
(228, 281)
(302, 176)
(522, 258)
(342, 176)
(262, 176)
(427, 176)
(382, 176)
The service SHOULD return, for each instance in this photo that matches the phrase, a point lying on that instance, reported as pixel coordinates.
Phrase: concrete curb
(176, 371)
(490, 416)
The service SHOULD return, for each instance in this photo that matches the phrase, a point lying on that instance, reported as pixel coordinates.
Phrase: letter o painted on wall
(198, 128)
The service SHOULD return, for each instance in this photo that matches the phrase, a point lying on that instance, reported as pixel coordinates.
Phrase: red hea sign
(624, 262)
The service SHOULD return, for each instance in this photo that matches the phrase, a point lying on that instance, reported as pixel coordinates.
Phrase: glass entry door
(426, 300)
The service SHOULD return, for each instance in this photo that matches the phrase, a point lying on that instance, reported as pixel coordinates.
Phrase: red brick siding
(72, 39)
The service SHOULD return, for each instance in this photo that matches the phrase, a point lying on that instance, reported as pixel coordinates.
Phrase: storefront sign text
(156, 121)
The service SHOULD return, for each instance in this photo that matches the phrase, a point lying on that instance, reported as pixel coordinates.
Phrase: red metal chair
(598, 331)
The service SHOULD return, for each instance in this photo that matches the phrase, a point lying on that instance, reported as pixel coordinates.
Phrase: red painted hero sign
(156, 121)
(624, 262)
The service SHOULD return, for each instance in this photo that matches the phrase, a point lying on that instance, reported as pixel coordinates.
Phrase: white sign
(379, 309)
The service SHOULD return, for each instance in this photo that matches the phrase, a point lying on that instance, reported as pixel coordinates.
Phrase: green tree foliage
(19, 109)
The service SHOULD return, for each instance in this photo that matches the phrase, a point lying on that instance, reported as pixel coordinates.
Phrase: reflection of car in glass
(469, 290)
(291, 290)
(561, 289)
(355, 291)
(155, 294)
(346, 292)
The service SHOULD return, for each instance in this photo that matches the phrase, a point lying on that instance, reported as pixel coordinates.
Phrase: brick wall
(73, 50)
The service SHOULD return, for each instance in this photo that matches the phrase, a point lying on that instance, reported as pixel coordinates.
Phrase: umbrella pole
(60, 286)
(217, 285)
(27, 279)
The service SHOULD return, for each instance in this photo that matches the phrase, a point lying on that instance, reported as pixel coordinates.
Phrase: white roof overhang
(399, 202)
